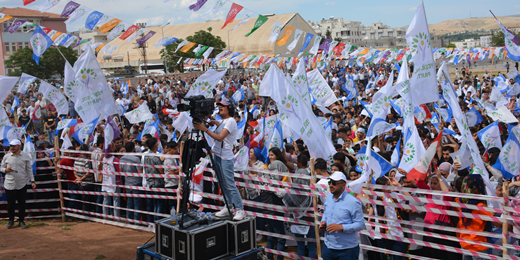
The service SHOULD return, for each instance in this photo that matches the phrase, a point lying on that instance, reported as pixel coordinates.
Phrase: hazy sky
(394, 13)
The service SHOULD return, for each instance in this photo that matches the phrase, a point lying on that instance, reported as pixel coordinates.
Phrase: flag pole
(428, 27)
(57, 48)
(315, 206)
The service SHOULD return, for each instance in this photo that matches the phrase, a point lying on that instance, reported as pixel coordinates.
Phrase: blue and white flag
(64, 123)
(327, 125)
(413, 150)
(379, 126)
(83, 133)
(490, 136)
(394, 160)
(473, 116)
(239, 95)
(378, 164)
(29, 149)
(93, 19)
(15, 104)
(25, 80)
(241, 126)
(11, 133)
(368, 107)
(275, 140)
(435, 120)
(509, 157)
(359, 64)
(447, 131)
(40, 42)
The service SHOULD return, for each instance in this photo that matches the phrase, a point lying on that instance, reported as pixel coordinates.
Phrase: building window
(26, 44)
(7, 49)
(372, 36)
(380, 35)
(13, 47)
(390, 34)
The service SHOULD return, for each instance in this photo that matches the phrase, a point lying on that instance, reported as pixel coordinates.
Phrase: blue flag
(308, 39)
(378, 164)
(15, 104)
(40, 42)
(473, 116)
(507, 161)
(92, 19)
(81, 134)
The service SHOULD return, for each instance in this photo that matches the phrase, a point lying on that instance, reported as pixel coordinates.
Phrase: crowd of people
(343, 214)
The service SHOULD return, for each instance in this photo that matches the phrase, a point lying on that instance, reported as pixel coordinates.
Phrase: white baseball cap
(337, 176)
(15, 142)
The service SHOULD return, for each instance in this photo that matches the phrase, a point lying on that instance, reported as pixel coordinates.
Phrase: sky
(393, 13)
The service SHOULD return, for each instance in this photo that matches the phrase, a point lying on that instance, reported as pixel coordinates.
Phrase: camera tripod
(191, 153)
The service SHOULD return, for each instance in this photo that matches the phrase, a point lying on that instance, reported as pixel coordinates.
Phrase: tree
(328, 34)
(51, 62)
(206, 38)
(497, 39)
(450, 46)
(338, 39)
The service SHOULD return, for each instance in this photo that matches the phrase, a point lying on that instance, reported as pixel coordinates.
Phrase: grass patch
(65, 225)
(36, 224)
(3, 222)
(98, 256)
(66, 228)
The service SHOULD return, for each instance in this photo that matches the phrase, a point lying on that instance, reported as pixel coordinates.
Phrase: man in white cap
(16, 166)
(342, 219)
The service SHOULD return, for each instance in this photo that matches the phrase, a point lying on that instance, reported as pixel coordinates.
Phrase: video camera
(198, 106)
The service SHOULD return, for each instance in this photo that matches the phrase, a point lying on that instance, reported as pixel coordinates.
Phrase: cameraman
(224, 158)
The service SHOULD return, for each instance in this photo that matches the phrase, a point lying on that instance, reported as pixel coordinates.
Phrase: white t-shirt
(226, 153)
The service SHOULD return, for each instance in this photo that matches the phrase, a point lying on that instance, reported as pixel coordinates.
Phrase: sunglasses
(334, 183)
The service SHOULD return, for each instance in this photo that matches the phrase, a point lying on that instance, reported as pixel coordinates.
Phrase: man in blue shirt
(342, 219)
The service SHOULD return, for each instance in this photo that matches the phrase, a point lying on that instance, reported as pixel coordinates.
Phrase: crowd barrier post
(58, 175)
(492, 63)
(505, 225)
(179, 187)
(315, 205)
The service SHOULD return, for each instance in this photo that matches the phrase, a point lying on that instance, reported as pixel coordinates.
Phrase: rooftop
(20, 12)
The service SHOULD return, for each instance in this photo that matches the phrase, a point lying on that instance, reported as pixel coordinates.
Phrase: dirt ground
(52, 239)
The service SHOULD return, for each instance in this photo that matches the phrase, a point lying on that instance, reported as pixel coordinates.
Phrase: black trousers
(13, 196)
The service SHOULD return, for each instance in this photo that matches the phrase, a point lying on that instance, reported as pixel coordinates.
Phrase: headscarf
(472, 184)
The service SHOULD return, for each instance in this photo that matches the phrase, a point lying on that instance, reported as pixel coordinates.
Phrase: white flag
(300, 82)
(77, 14)
(247, 15)
(314, 49)
(71, 83)
(320, 89)
(424, 84)
(25, 80)
(241, 159)
(55, 96)
(503, 115)
(207, 53)
(298, 115)
(181, 44)
(140, 114)
(381, 100)
(277, 27)
(48, 4)
(117, 30)
(205, 84)
(215, 8)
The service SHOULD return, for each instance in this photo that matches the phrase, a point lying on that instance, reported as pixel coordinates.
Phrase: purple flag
(468, 58)
(77, 43)
(111, 133)
(325, 45)
(196, 6)
(145, 38)
(69, 8)
(13, 27)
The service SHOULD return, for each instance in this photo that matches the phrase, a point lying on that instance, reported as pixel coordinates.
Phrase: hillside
(485, 23)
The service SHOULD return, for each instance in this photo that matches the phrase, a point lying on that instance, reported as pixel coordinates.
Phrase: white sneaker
(239, 215)
(223, 213)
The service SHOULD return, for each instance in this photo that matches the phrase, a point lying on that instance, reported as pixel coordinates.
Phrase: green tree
(206, 38)
(338, 39)
(51, 62)
(497, 39)
(328, 34)
(450, 46)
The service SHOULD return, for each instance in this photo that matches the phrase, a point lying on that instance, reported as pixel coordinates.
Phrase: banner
(4, 17)
(140, 114)
(117, 30)
(275, 31)
(207, 52)
(287, 33)
(187, 47)
(247, 15)
(308, 38)
(109, 25)
(199, 4)
(314, 49)
(55, 96)
(69, 8)
(259, 22)
(320, 89)
(216, 7)
(235, 9)
(132, 29)
(48, 4)
(145, 38)
(14, 26)
(297, 34)
(93, 19)
(75, 15)
(138, 33)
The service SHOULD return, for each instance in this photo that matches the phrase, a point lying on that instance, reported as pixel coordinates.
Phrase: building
(256, 44)
(467, 43)
(485, 41)
(93, 35)
(438, 42)
(20, 39)
(377, 35)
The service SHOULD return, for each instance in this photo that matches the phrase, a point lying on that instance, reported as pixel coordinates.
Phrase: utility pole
(164, 50)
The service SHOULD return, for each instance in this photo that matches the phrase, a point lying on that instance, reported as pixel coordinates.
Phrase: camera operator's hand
(199, 126)
(213, 122)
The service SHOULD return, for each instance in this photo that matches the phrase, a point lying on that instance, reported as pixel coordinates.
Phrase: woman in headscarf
(473, 184)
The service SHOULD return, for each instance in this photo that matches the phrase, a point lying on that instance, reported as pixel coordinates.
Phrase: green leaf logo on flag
(259, 22)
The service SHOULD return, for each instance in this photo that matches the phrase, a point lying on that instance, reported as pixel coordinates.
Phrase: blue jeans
(74, 204)
(159, 204)
(345, 254)
(260, 222)
(393, 245)
(107, 200)
(275, 226)
(51, 134)
(224, 170)
(311, 245)
(134, 203)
